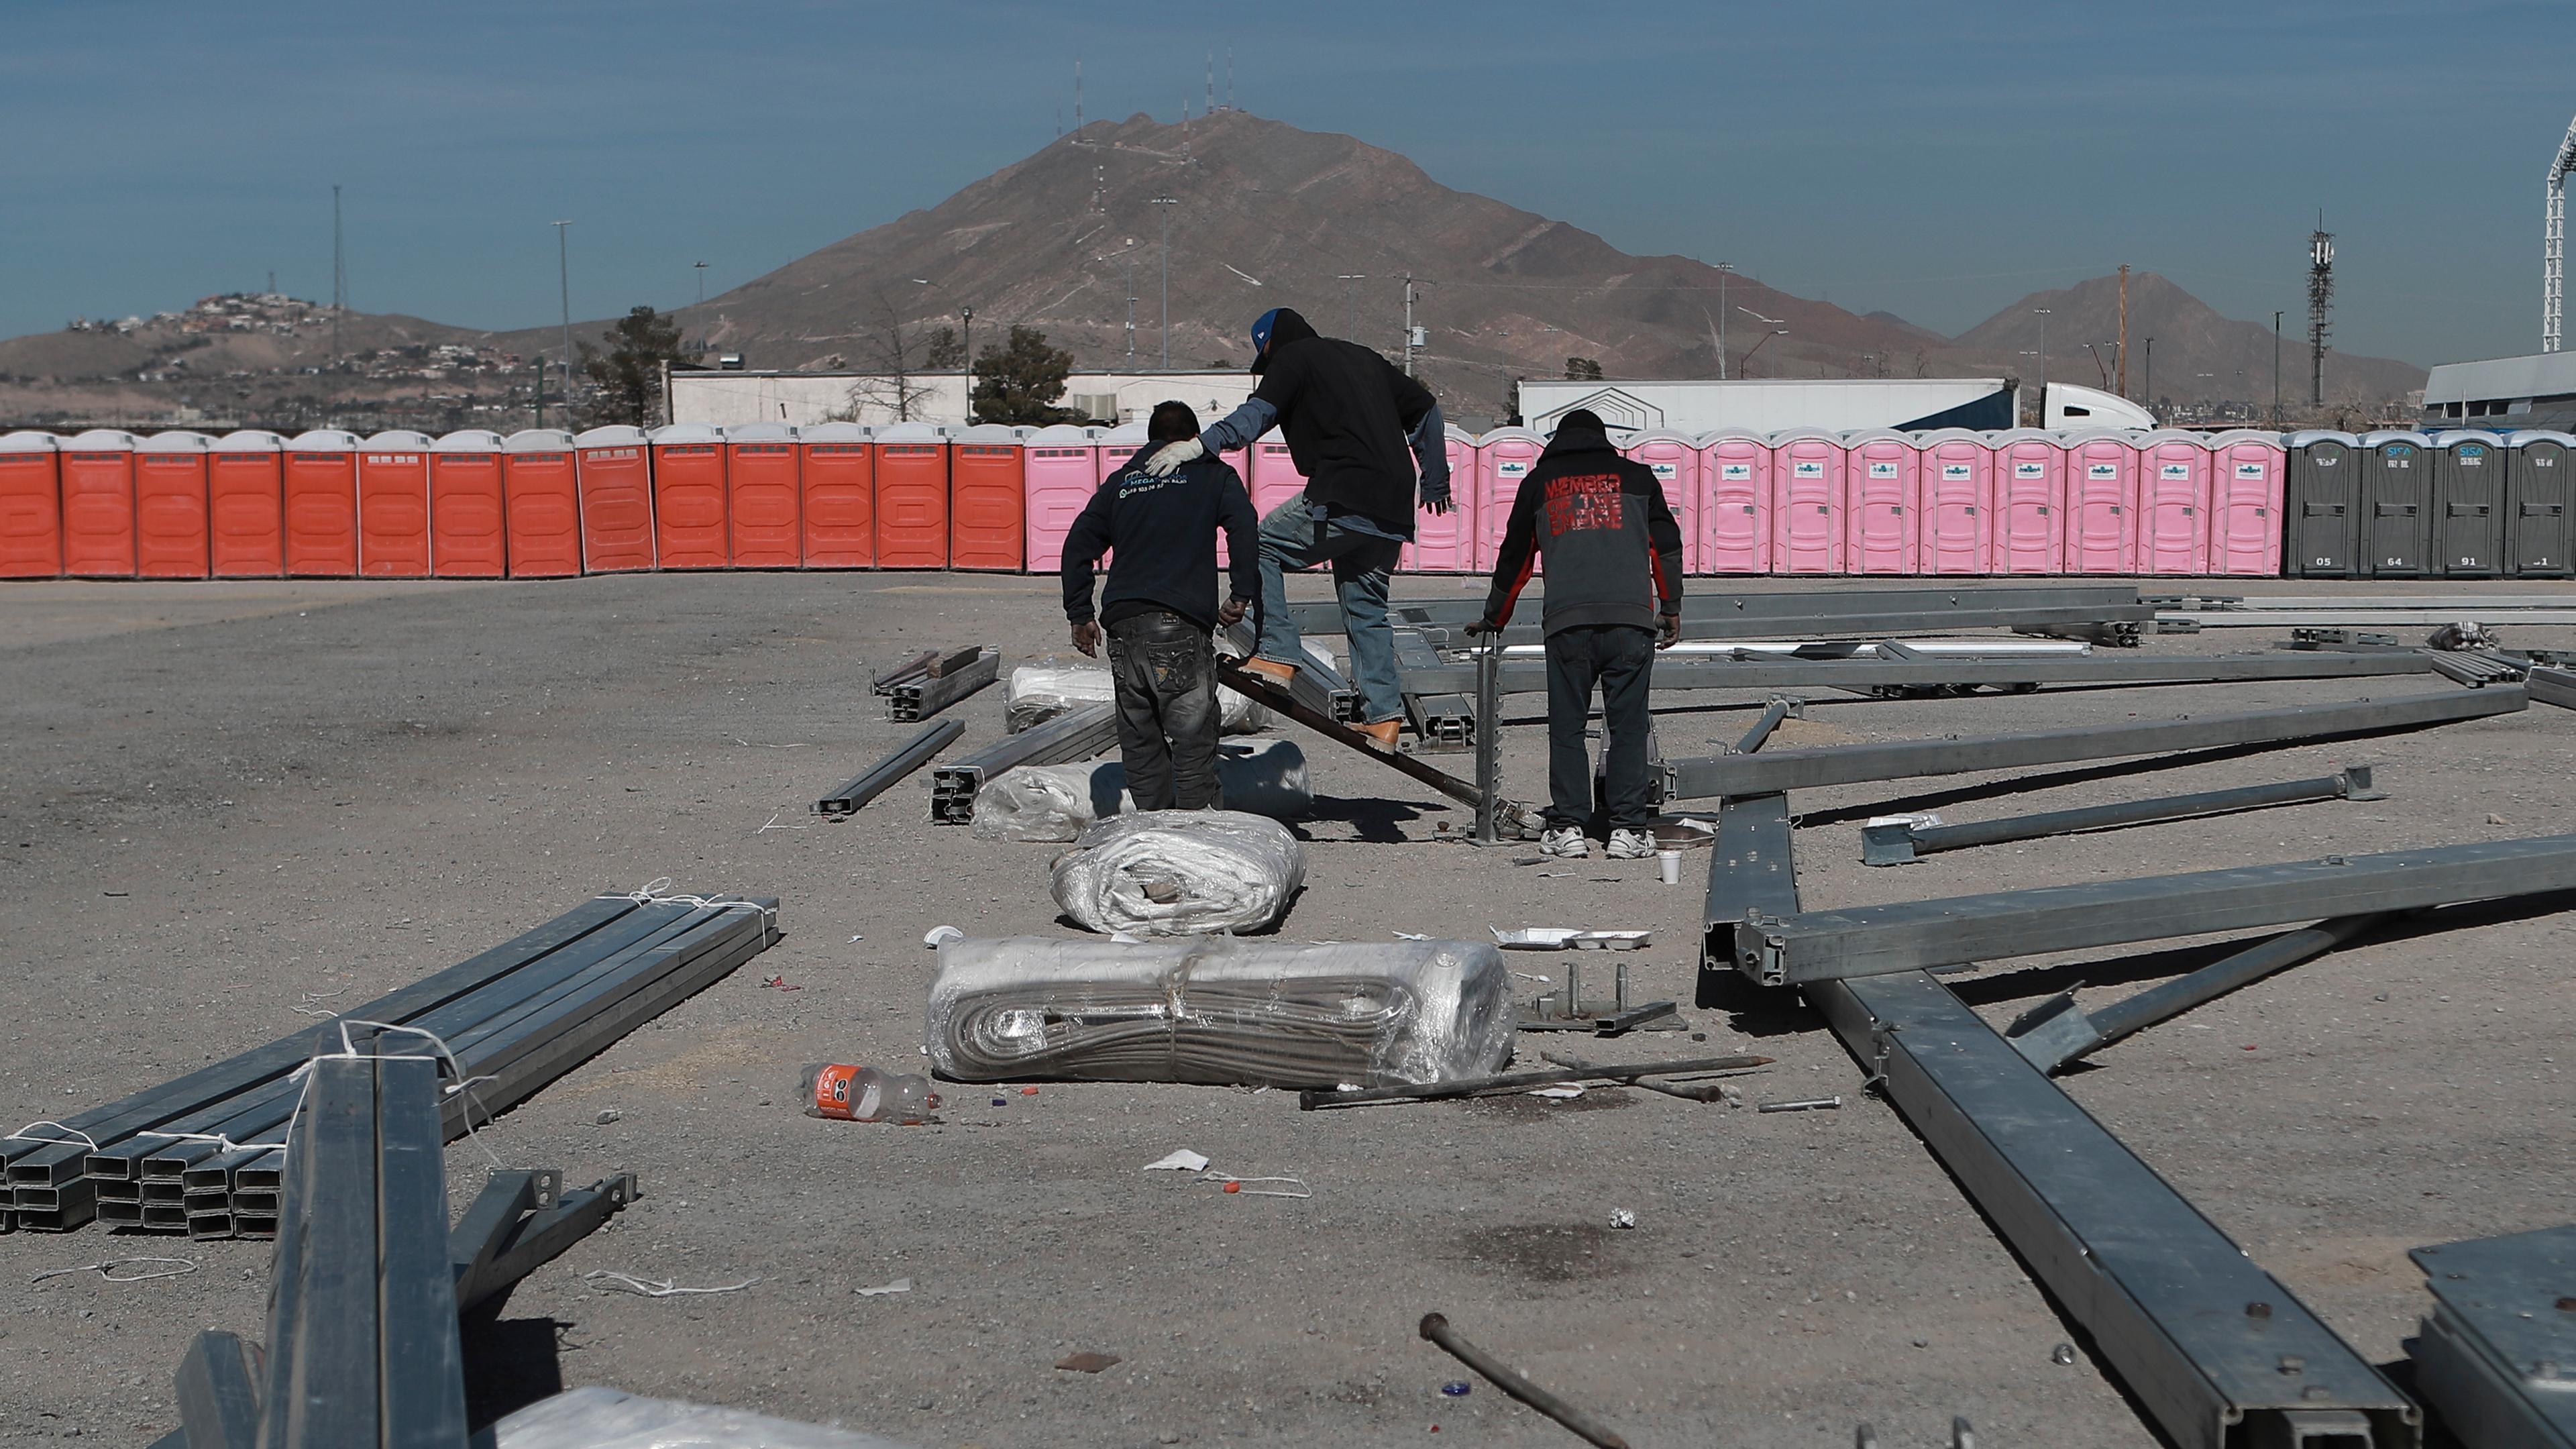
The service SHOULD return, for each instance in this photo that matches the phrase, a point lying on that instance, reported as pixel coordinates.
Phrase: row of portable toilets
(544, 503)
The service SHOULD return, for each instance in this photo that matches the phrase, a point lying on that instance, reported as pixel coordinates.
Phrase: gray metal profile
(218, 1394)
(2057, 1031)
(886, 773)
(1778, 708)
(949, 682)
(1751, 873)
(2554, 687)
(1775, 770)
(1445, 721)
(1077, 734)
(1915, 935)
(522, 1220)
(2497, 1355)
(1903, 841)
(1764, 613)
(1954, 674)
(910, 667)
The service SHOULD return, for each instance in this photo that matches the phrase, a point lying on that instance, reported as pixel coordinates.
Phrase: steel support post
(886, 773)
(1774, 770)
(1902, 842)
(1489, 736)
(1914, 935)
(2497, 1355)
(521, 1221)
(324, 1355)
(1751, 876)
(1444, 721)
(2056, 1031)
(1780, 707)
(422, 1360)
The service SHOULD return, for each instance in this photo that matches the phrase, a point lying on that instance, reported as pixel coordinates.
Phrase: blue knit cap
(1261, 329)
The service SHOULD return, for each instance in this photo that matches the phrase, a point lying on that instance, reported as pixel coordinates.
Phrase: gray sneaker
(1565, 842)
(1628, 844)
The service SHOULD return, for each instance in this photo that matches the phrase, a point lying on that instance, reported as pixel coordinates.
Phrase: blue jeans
(1294, 537)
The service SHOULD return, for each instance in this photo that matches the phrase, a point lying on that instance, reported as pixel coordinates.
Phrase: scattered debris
(1813, 1104)
(161, 1268)
(779, 983)
(1570, 938)
(1502, 1376)
(657, 1288)
(1086, 1362)
(2062, 1355)
(939, 936)
(608, 1115)
(1623, 1217)
(899, 1285)
(1181, 1160)
(1456, 1388)
(1563, 1091)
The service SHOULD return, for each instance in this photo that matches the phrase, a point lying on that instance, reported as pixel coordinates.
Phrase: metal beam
(1779, 707)
(2057, 1031)
(421, 1368)
(2498, 1353)
(921, 698)
(2551, 687)
(218, 1396)
(1764, 611)
(1875, 674)
(886, 773)
(1901, 842)
(1751, 876)
(1444, 720)
(1914, 935)
(1076, 734)
(1774, 770)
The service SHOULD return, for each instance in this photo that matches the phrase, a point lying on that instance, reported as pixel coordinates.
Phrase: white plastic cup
(1671, 861)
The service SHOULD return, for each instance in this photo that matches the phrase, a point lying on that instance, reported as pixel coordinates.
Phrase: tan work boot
(1272, 670)
(1382, 735)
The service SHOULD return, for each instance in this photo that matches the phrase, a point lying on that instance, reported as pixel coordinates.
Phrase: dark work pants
(1164, 667)
(1621, 661)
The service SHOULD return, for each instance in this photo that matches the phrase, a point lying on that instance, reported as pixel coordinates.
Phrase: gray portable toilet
(2539, 474)
(2468, 504)
(2397, 505)
(2323, 505)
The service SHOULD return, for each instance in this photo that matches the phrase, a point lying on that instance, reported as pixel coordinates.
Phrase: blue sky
(1936, 161)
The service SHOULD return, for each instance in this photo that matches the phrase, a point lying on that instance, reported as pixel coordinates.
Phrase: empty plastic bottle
(864, 1094)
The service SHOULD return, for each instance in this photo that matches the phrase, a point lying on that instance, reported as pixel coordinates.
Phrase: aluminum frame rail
(1076, 734)
(2555, 687)
(1446, 721)
(522, 1220)
(1939, 673)
(911, 666)
(1775, 770)
(947, 682)
(1318, 684)
(2220, 1354)
(1763, 612)
(2497, 1355)
(1903, 841)
(1514, 818)
(885, 774)
(1918, 935)
(1777, 708)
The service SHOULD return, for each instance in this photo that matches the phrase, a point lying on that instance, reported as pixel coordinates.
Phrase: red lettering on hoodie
(1584, 501)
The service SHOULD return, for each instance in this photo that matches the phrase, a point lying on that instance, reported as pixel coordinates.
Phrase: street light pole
(2150, 383)
(1724, 269)
(966, 341)
(563, 268)
(2276, 371)
(1167, 202)
(1350, 303)
(2043, 364)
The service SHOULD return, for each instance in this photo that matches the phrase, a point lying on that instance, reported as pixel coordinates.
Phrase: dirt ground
(224, 800)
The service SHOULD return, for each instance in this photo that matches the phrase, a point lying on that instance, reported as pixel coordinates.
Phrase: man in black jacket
(1614, 596)
(1160, 607)
(1350, 418)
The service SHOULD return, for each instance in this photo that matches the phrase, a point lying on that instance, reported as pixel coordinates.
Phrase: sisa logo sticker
(2174, 470)
(1666, 472)
(2472, 456)
(2030, 470)
(1739, 472)
(1512, 469)
(1959, 471)
(1882, 470)
(1809, 470)
(2252, 470)
(2101, 470)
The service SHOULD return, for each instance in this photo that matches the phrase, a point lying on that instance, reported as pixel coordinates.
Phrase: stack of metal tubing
(204, 1154)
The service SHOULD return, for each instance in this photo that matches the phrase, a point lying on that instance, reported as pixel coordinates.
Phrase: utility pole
(2122, 352)
(966, 341)
(1408, 324)
(2043, 364)
(702, 283)
(1724, 269)
(339, 273)
(563, 267)
(2320, 297)
(1167, 202)
(1350, 303)
(1131, 311)
(2276, 371)
(1077, 94)
(2149, 387)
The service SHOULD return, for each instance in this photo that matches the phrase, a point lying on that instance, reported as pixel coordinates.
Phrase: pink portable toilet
(1446, 544)
(1882, 485)
(1060, 469)
(1503, 458)
(1735, 502)
(1274, 479)
(1958, 489)
(2028, 521)
(2248, 475)
(2174, 489)
(2102, 503)
(1120, 443)
(1675, 459)
(1806, 502)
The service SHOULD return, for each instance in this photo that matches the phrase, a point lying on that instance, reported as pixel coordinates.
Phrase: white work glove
(1174, 455)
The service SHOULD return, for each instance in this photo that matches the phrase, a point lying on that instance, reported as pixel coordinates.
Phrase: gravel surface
(223, 800)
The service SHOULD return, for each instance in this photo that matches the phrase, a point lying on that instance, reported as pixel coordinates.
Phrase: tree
(894, 355)
(1583, 369)
(1019, 380)
(627, 379)
(943, 351)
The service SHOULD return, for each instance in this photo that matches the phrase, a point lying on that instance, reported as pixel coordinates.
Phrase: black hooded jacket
(1164, 533)
(1348, 415)
(1613, 549)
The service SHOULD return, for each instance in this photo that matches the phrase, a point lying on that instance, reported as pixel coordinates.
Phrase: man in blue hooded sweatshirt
(1350, 418)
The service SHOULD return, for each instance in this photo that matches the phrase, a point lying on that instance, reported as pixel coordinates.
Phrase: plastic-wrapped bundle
(1040, 692)
(1059, 802)
(1221, 1011)
(599, 1418)
(1180, 873)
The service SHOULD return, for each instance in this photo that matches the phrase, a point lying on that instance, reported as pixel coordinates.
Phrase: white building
(1770, 405)
(939, 398)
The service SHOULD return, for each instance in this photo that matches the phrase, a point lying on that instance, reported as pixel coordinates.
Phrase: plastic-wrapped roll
(1181, 872)
(1220, 1011)
(1039, 692)
(1059, 802)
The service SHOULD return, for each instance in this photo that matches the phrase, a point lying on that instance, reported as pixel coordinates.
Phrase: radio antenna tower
(339, 272)
(1229, 82)
(1211, 96)
(2320, 297)
(2553, 245)
(1077, 93)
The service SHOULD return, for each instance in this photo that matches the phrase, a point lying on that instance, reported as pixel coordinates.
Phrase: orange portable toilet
(322, 504)
(469, 522)
(31, 506)
(912, 496)
(689, 497)
(541, 499)
(246, 505)
(764, 496)
(98, 504)
(393, 505)
(840, 503)
(170, 506)
(615, 470)
(987, 498)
